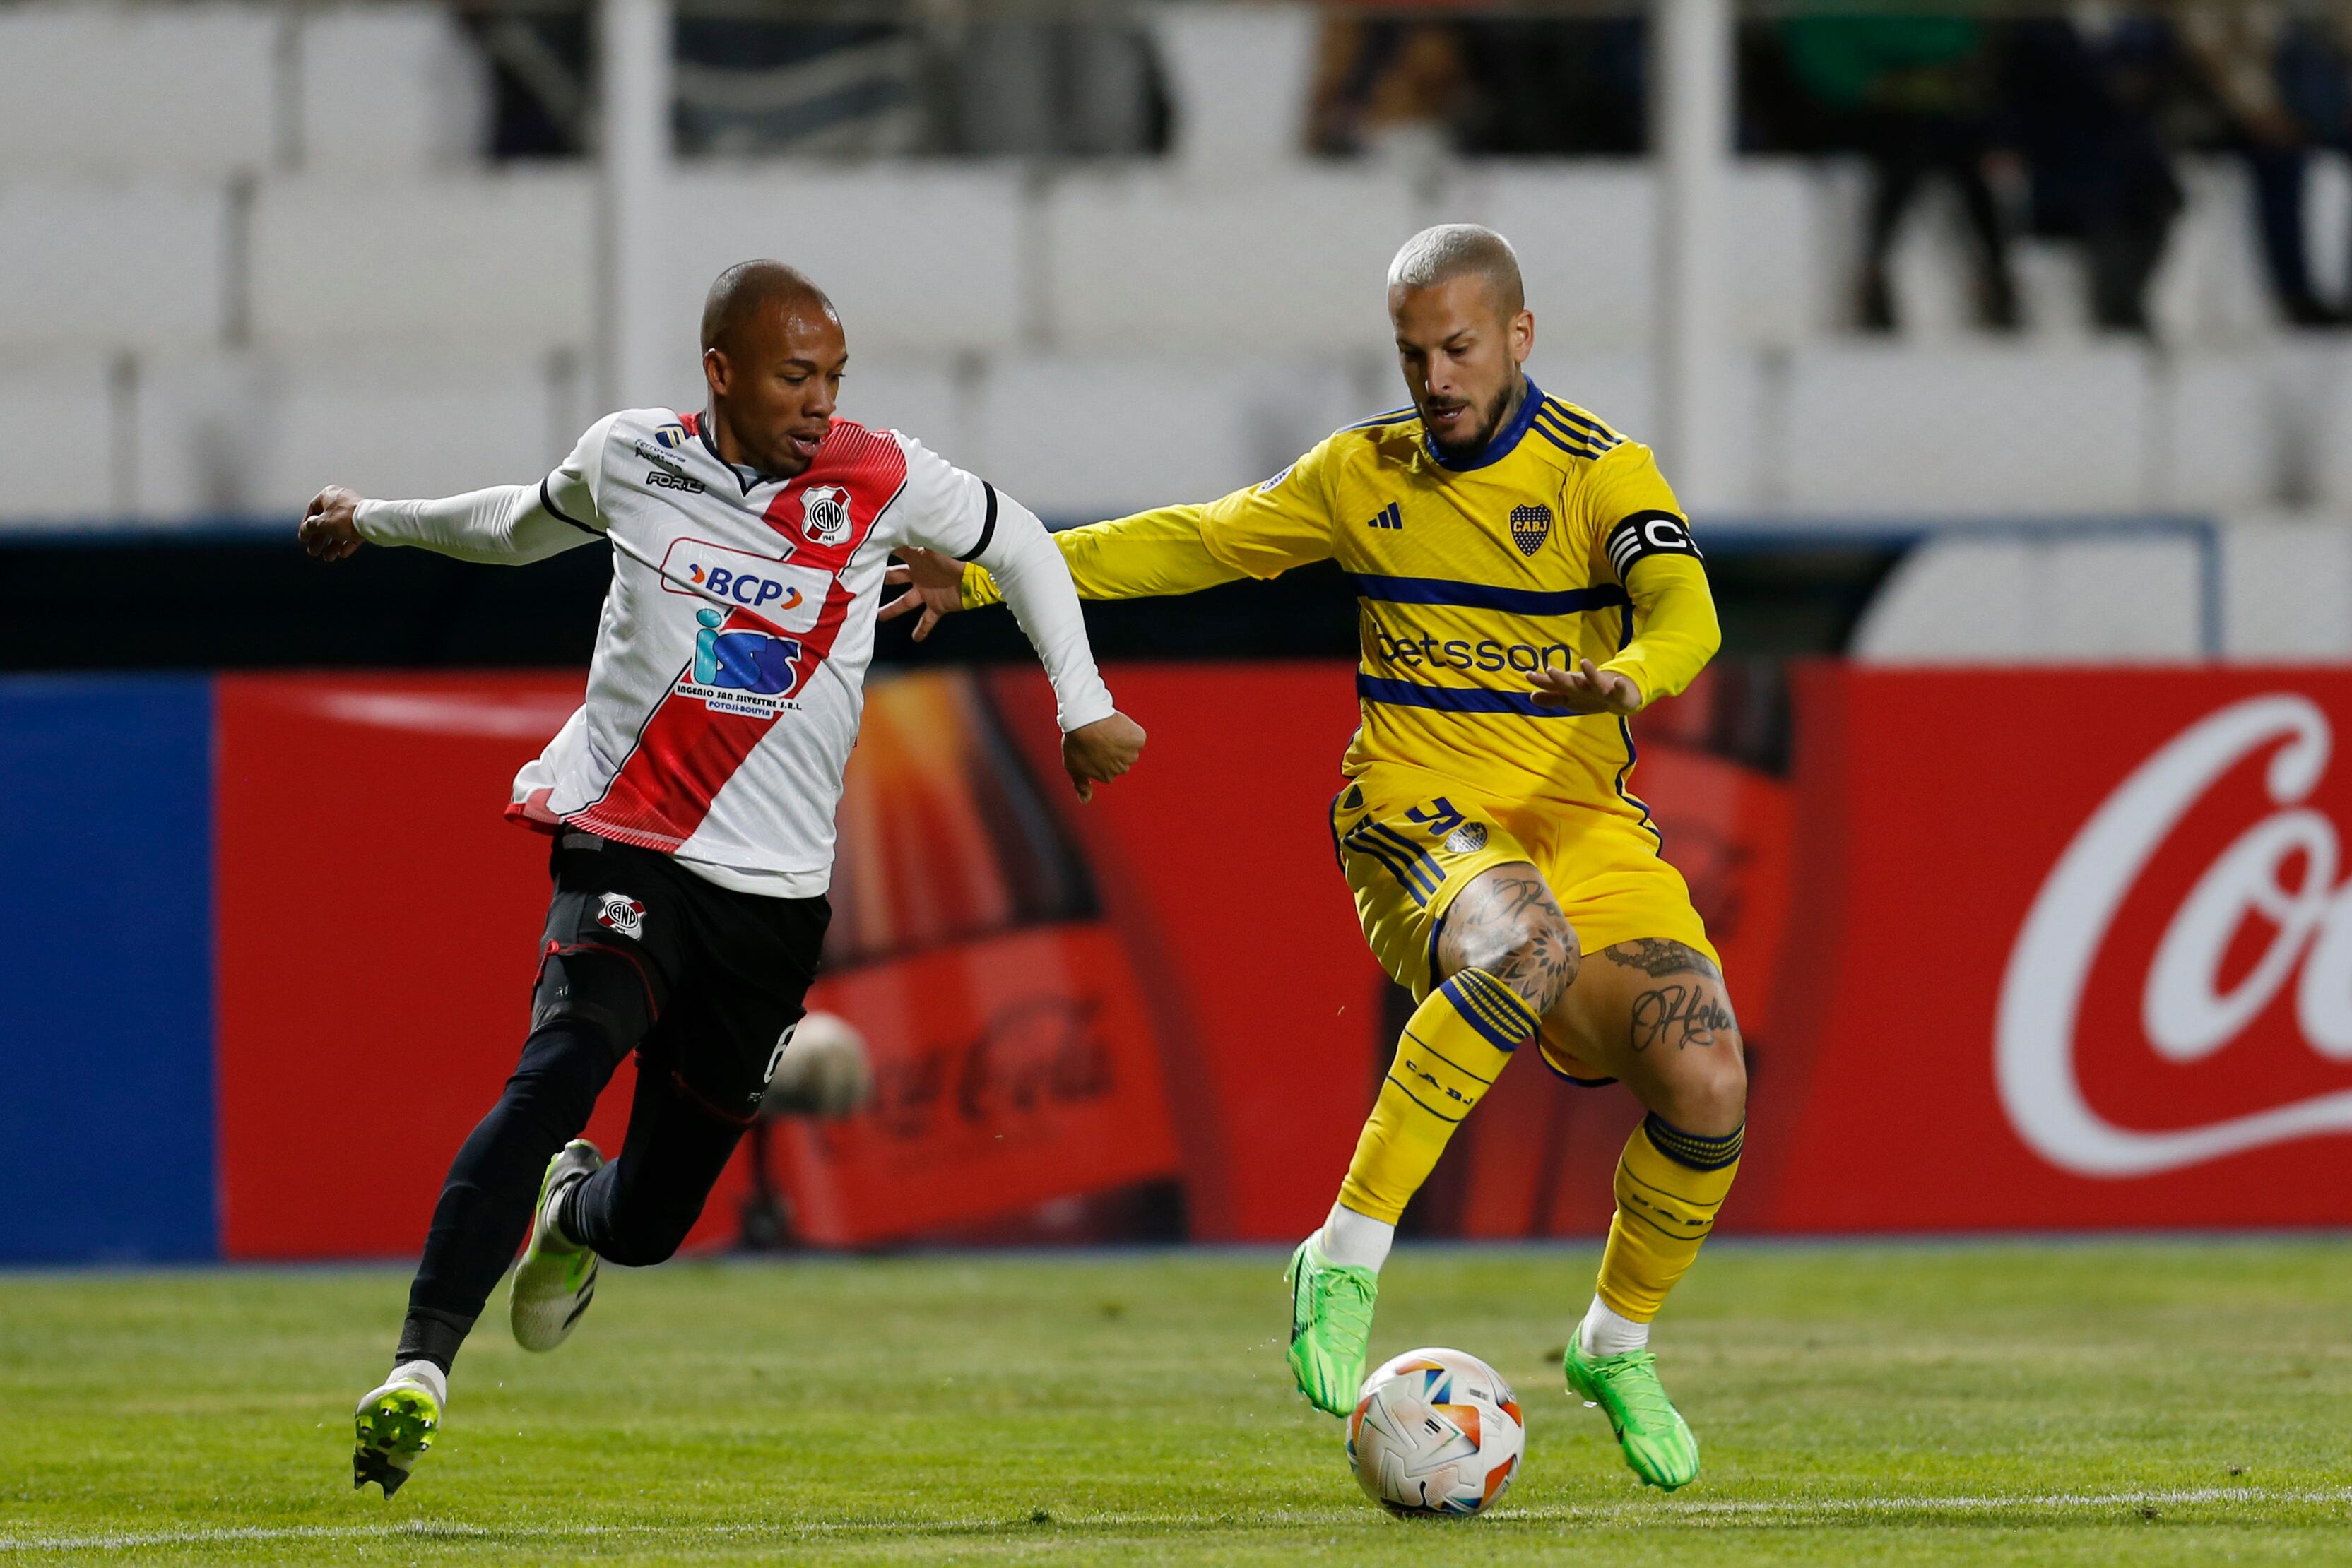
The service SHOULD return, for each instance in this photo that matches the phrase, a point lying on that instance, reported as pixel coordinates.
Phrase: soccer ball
(1435, 1431)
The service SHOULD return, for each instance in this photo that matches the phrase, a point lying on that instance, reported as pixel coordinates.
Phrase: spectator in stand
(1392, 88)
(2085, 95)
(1913, 92)
(2281, 73)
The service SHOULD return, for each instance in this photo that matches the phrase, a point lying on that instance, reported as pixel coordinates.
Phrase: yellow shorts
(1408, 842)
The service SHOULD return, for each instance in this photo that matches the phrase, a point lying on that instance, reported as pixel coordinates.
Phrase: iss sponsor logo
(622, 914)
(742, 670)
(787, 598)
(663, 480)
(2268, 922)
(825, 513)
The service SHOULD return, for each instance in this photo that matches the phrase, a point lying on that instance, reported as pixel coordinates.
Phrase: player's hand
(331, 529)
(1586, 689)
(1096, 753)
(934, 585)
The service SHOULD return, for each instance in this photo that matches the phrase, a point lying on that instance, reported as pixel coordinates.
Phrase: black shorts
(703, 982)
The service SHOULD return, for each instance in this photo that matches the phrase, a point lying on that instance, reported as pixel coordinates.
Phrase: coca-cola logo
(2195, 1000)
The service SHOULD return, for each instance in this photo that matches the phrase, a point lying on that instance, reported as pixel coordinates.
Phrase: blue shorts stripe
(1419, 857)
(1388, 857)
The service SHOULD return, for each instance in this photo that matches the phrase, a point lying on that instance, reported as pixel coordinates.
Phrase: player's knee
(1535, 954)
(563, 1069)
(1709, 1090)
(647, 1231)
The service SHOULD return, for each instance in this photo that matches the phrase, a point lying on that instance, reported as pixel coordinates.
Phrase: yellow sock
(1454, 1047)
(1670, 1184)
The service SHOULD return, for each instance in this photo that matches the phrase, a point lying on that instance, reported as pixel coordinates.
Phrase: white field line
(1654, 1511)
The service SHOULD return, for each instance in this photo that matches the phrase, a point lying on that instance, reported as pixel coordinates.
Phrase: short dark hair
(746, 289)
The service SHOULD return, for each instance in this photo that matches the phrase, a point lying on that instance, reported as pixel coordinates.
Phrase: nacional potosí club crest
(622, 913)
(1530, 526)
(825, 513)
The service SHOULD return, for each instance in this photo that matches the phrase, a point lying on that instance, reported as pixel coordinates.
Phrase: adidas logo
(1387, 516)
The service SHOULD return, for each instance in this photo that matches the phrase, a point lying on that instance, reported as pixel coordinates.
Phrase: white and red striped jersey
(728, 679)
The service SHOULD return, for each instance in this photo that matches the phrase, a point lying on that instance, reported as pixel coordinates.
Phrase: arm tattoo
(1507, 924)
(1657, 956)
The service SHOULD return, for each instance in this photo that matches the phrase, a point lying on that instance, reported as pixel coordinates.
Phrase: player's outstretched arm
(1148, 555)
(1098, 742)
(1677, 634)
(1262, 531)
(509, 525)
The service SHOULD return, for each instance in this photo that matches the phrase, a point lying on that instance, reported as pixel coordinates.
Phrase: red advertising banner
(2072, 949)
(2035, 950)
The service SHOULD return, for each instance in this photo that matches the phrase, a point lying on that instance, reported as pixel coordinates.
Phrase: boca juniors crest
(1530, 526)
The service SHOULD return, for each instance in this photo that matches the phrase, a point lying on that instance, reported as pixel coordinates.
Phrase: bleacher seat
(1141, 260)
(2039, 431)
(74, 476)
(133, 267)
(1078, 438)
(2014, 598)
(919, 261)
(499, 262)
(400, 426)
(1586, 234)
(2285, 582)
(112, 91)
(390, 88)
(2220, 444)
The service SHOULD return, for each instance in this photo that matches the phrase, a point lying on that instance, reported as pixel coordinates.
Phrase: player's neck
(731, 450)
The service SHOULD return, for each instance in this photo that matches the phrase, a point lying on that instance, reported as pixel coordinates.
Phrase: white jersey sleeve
(943, 509)
(511, 525)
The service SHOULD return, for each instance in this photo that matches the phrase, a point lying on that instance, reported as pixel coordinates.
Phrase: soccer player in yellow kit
(1528, 582)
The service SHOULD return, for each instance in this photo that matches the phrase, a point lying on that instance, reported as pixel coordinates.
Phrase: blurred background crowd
(1990, 261)
(2066, 123)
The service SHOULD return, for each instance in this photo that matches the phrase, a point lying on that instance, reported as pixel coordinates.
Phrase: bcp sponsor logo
(785, 596)
(2266, 922)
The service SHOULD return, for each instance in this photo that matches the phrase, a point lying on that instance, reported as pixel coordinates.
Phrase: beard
(1489, 420)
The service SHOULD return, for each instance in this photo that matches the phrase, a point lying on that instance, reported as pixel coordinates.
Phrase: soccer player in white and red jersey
(691, 797)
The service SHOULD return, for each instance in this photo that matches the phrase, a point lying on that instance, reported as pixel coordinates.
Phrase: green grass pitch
(2142, 1402)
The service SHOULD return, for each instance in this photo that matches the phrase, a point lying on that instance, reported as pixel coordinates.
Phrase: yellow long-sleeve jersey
(1560, 540)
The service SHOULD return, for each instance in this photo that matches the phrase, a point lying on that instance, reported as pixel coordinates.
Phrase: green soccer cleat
(555, 1280)
(1658, 1441)
(395, 1425)
(1330, 1323)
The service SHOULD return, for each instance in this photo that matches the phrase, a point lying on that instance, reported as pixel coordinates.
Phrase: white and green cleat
(395, 1426)
(557, 1278)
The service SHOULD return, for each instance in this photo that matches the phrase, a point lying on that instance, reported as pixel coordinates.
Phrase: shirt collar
(1503, 442)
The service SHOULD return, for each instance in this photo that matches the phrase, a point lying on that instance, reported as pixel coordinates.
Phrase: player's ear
(715, 371)
(1523, 336)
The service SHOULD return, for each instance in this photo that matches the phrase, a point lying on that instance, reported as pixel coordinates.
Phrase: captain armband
(1647, 534)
